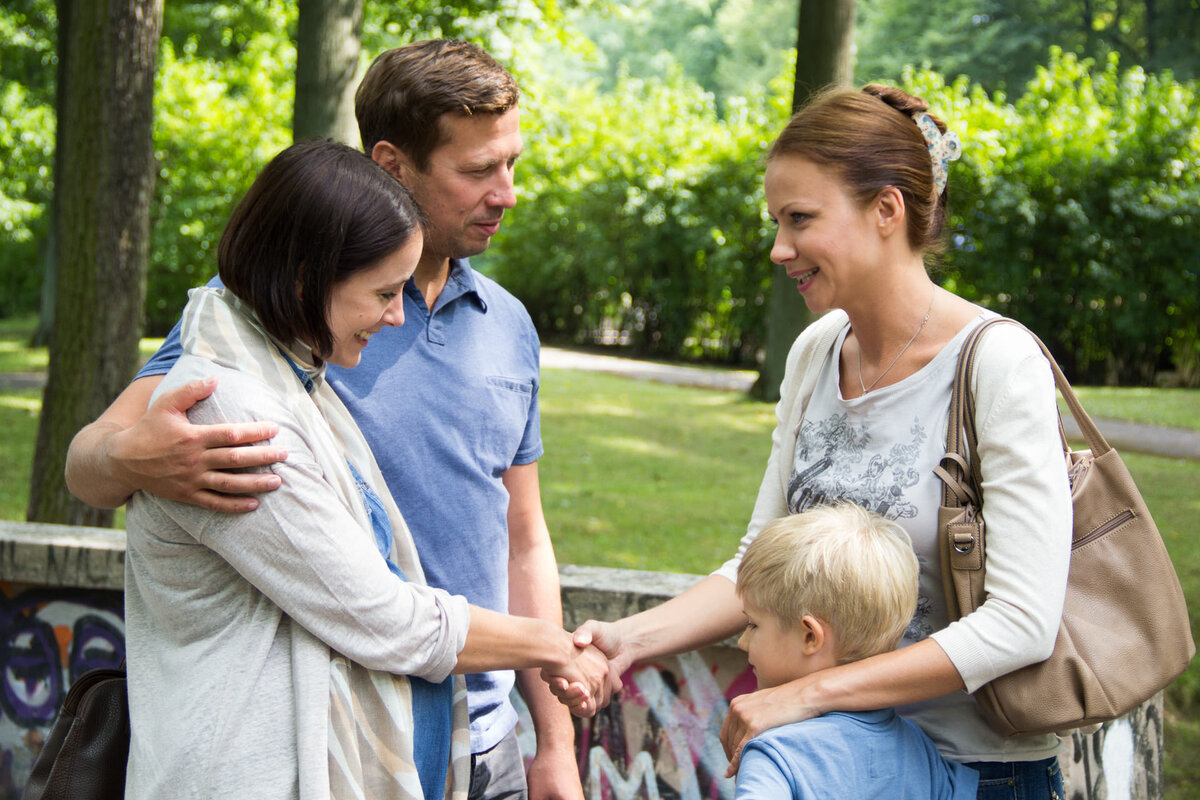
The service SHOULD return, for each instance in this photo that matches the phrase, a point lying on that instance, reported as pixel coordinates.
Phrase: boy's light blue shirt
(864, 755)
(448, 402)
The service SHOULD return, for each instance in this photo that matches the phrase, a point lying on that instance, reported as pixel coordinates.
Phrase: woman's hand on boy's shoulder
(751, 714)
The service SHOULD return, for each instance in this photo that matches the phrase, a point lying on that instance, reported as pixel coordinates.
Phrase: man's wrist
(559, 649)
(108, 460)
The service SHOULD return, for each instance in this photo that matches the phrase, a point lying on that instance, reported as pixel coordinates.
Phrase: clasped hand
(605, 642)
(584, 680)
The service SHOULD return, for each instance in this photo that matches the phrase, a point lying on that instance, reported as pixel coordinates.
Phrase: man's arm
(533, 591)
(136, 446)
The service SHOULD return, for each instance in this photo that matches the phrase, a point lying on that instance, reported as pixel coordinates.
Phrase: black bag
(84, 756)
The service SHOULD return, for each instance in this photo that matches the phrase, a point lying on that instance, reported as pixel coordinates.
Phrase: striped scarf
(389, 736)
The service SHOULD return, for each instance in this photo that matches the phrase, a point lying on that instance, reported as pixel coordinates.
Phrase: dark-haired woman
(856, 184)
(294, 651)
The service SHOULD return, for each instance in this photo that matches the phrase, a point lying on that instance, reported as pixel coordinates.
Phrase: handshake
(590, 677)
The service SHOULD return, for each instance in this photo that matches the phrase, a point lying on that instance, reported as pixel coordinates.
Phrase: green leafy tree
(1001, 43)
(730, 48)
(1075, 210)
(759, 37)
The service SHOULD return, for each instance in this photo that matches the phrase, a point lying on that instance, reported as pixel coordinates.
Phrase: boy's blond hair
(848, 567)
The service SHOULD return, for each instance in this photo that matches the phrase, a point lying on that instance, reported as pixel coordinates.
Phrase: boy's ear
(813, 634)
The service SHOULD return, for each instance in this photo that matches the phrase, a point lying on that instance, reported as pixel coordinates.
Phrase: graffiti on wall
(1121, 760)
(48, 638)
(660, 738)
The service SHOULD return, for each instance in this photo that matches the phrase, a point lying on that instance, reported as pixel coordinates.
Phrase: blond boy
(830, 586)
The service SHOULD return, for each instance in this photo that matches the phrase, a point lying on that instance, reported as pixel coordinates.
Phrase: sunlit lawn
(643, 475)
(647, 476)
(1173, 408)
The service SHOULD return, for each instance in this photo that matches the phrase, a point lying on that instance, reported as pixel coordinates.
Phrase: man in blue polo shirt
(448, 401)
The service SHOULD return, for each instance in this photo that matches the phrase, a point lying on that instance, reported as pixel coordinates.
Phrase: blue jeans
(1019, 780)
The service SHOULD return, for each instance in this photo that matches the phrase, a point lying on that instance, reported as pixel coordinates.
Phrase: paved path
(1124, 436)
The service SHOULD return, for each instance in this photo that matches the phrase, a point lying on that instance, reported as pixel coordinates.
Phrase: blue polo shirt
(867, 754)
(448, 402)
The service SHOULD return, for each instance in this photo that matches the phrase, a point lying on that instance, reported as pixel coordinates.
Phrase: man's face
(468, 182)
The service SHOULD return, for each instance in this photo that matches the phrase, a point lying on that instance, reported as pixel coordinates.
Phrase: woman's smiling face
(369, 299)
(824, 238)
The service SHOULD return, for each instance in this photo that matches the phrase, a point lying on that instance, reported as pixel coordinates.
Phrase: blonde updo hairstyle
(870, 140)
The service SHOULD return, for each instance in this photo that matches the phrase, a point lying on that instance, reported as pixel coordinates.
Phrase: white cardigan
(1027, 504)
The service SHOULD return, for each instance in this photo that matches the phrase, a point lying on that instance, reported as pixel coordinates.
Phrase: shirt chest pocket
(523, 388)
(501, 420)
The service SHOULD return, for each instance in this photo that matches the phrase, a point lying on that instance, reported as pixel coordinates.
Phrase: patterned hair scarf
(943, 148)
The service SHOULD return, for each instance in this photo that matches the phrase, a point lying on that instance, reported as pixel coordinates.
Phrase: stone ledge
(62, 555)
(94, 558)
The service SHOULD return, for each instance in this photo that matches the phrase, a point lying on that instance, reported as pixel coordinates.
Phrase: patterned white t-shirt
(878, 451)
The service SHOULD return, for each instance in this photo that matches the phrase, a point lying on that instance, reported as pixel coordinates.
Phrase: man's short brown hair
(407, 90)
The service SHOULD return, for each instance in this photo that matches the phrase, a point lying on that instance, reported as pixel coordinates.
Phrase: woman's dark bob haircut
(318, 213)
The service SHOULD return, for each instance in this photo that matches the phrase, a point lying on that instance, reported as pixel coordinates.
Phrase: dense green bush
(1075, 210)
(27, 153)
(26, 149)
(640, 219)
(217, 122)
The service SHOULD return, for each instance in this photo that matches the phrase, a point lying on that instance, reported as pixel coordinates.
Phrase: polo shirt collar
(461, 283)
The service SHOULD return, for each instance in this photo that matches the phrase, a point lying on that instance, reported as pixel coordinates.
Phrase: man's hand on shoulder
(161, 452)
(164, 454)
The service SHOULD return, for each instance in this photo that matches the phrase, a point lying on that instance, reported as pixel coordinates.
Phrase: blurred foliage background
(641, 221)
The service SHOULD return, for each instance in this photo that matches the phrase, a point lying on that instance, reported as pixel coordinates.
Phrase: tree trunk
(45, 327)
(105, 179)
(824, 56)
(1151, 28)
(1088, 22)
(328, 41)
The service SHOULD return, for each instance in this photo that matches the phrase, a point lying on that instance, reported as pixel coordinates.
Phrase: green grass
(19, 412)
(1172, 408)
(647, 476)
(15, 354)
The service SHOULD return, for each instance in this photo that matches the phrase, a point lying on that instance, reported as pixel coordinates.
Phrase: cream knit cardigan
(1026, 497)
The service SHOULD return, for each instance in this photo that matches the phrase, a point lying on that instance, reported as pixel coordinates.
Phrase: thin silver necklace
(903, 350)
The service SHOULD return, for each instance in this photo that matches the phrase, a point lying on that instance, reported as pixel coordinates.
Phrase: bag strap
(959, 470)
